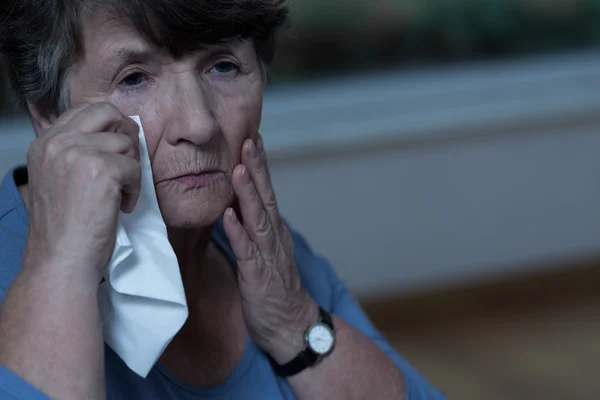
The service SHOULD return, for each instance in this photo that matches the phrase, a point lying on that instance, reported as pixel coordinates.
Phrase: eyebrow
(112, 64)
(123, 56)
(126, 56)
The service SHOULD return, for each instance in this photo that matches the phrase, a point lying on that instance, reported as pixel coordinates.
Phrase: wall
(414, 180)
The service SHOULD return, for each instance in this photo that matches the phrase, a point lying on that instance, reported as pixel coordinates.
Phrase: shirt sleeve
(347, 308)
(13, 387)
(343, 305)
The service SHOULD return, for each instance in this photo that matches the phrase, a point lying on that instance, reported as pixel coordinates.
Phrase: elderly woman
(194, 70)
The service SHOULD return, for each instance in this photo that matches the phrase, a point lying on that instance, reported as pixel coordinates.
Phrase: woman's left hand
(276, 307)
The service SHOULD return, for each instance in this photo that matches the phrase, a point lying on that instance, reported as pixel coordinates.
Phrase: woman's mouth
(197, 180)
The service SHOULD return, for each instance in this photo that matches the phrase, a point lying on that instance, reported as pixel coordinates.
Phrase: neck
(190, 246)
(212, 341)
(208, 278)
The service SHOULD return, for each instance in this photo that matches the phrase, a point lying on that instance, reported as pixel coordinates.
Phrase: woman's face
(196, 111)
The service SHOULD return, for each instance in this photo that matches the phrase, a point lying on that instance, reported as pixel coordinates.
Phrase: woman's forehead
(101, 30)
(111, 42)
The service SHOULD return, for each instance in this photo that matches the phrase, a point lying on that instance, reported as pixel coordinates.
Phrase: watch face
(320, 339)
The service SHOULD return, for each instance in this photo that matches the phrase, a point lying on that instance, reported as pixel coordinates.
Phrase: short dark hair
(41, 39)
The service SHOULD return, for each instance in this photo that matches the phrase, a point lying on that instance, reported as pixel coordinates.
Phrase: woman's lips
(197, 180)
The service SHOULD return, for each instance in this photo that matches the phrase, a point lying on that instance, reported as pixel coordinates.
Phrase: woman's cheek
(152, 131)
(234, 123)
(134, 104)
(147, 106)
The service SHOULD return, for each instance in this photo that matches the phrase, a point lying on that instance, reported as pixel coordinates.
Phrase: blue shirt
(252, 378)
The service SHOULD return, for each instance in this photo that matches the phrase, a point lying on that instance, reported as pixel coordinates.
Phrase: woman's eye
(134, 79)
(224, 67)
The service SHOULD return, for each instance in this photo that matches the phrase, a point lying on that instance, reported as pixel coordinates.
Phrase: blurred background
(444, 155)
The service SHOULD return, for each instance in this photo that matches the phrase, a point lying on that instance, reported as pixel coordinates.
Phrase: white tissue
(142, 301)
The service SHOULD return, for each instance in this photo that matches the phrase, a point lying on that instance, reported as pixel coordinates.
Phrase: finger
(68, 115)
(245, 251)
(129, 176)
(259, 173)
(257, 223)
(114, 143)
(103, 117)
(260, 146)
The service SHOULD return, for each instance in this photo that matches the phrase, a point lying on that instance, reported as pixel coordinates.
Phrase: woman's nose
(192, 119)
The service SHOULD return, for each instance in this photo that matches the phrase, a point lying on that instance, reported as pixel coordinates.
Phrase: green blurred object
(331, 37)
(339, 37)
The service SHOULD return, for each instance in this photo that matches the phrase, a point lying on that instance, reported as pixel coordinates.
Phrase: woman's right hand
(82, 171)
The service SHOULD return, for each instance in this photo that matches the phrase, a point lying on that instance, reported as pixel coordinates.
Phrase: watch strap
(326, 318)
(302, 361)
(307, 357)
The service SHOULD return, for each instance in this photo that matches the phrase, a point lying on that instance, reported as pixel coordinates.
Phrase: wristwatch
(319, 340)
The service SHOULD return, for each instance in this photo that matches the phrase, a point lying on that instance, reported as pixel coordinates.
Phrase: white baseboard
(414, 180)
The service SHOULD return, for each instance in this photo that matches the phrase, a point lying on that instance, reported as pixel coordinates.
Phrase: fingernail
(231, 215)
(252, 150)
(245, 175)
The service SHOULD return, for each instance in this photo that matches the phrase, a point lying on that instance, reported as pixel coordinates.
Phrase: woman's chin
(202, 219)
(193, 213)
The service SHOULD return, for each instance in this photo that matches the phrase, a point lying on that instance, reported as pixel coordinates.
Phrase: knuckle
(33, 151)
(106, 107)
(51, 147)
(72, 155)
(260, 168)
(263, 226)
(95, 167)
(252, 254)
(110, 111)
(270, 201)
(127, 142)
(129, 171)
(128, 139)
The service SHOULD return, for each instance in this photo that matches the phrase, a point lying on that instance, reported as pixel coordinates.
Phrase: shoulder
(12, 247)
(13, 227)
(12, 209)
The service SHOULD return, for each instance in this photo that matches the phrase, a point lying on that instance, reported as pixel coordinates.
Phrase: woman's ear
(40, 123)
